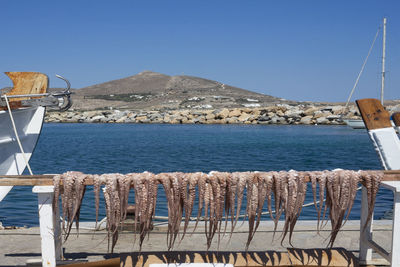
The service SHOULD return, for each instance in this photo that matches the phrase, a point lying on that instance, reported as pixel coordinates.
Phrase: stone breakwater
(277, 114)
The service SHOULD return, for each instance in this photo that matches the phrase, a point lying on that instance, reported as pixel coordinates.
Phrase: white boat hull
(355, 124)
(29, 123)
(359, 124)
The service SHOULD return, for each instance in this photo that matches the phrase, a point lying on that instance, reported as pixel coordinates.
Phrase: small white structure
(50, 230)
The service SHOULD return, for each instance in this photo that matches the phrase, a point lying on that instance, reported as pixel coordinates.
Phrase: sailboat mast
(383, 58)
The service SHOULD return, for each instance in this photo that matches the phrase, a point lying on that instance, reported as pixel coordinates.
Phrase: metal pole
(383, 59)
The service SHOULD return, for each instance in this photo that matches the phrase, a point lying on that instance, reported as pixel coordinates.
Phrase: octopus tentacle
(232, 192)
(252, 204)
(74, 189)
(188, 195)
(214, 206)
(201, 184)
(301, 196)
(219, 183)
(281, 194)
(113, 207)
(166, 183)
(57, 184)
(322, 188)
(371, 181)
(207, 200)
(290, 203)
(239, 193)
(96, 190)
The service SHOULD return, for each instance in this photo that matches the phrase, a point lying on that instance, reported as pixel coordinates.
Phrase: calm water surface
(103, 148)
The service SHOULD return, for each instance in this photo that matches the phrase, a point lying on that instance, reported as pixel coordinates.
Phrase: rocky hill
(156, 91)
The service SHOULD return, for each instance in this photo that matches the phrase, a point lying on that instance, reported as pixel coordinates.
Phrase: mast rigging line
(16, 135)
(362, 68)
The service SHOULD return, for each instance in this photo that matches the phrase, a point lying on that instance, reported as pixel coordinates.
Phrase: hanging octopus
(220, 199)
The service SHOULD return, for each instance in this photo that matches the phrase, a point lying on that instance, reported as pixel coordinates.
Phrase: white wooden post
(50, 232)
(395, 253)
(366, 242)
(365, 233)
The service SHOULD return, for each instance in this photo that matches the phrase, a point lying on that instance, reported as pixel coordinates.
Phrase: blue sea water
(124, 148)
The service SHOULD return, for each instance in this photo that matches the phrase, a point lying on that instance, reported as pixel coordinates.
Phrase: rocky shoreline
(275, 114)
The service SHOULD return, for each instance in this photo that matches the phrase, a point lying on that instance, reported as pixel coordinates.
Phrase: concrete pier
(20, 245)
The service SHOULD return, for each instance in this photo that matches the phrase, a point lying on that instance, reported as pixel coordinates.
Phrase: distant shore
(274, 114)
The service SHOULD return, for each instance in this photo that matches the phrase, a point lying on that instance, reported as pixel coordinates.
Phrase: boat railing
(60, 100)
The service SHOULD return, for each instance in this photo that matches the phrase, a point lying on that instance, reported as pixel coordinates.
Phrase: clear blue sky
(299, 50)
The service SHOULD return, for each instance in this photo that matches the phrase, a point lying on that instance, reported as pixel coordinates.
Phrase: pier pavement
(17, 246)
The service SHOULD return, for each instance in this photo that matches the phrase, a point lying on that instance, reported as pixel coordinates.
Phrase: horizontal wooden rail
(47, 179)
(32, 180)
